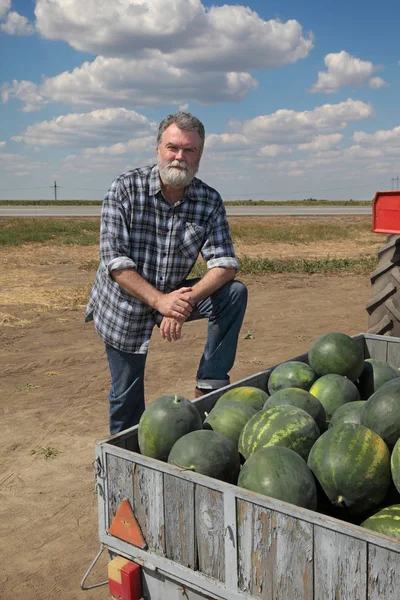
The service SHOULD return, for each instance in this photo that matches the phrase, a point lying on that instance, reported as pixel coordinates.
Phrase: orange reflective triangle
(125, 526)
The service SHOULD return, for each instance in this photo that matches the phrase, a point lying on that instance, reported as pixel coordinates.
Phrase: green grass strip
(305, 202)
(311, 266)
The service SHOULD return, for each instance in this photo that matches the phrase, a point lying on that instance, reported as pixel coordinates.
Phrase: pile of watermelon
(324, 435)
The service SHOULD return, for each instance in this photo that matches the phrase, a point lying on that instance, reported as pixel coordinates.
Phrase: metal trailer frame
(209, 539)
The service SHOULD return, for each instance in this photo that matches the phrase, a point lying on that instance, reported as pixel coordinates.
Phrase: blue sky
(299, 99)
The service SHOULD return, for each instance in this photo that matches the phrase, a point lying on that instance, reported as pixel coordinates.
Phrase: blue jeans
(225, 311)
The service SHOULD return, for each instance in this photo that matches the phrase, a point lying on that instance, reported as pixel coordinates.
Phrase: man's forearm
(134, 284)
(212, 281)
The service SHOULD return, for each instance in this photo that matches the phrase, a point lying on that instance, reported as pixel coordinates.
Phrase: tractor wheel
(384, 305)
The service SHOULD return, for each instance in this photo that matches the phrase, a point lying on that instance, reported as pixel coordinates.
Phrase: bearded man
(155, 221)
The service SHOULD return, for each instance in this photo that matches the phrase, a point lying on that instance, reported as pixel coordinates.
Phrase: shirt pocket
(192, 239)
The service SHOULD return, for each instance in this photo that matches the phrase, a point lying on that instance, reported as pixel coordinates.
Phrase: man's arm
(177, 304)
(213, 280)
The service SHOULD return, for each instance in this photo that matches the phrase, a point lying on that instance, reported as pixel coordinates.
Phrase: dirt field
(54, 386)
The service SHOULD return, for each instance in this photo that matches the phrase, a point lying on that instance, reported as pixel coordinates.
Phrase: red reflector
(124, 579)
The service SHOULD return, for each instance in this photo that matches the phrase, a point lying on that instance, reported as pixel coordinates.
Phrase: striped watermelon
(280, 473)
(284, 425)
(292, 373)
(302, 399)
(386, 521)
(348, 413)
(381, 412)
(334, 390)
(395, 465)
(229, 419)
(336, 353)
(352, 465)
(245, 394)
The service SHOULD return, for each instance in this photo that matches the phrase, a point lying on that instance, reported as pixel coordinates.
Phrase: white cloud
(377, 82)
(26, 91)
(16, 24)
(17, 164)
(88, 129)
(322, 142)
(5, 6)
(228, 38)
(2, 144)
(226, 141)
(116, 82)
(286, 126)
(272, 150)
(383, 137)
(343, 70)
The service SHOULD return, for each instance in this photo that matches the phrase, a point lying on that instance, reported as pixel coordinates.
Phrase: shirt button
(164, 254)
(161, 278)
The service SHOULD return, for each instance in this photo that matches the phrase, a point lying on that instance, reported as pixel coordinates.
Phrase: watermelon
(336, 353)
(207, 452)
(386, 521)
(375, 374)
(229, 419)
(395, 465)
(164, 421)
(381, 412)
(292, 373)
(348, 413)
(352, 465)
(302, 399)
(283, 425)
(245, 395)
(280, 473)
(332, 391)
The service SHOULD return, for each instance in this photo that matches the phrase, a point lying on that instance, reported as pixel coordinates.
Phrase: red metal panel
(386, 212)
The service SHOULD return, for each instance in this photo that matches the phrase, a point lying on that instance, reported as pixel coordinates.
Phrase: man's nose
(179, 154)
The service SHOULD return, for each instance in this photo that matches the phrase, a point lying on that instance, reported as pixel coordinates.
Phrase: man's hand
(171, 329)
(176, 305)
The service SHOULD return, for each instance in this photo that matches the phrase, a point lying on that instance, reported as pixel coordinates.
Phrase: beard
(176, 173)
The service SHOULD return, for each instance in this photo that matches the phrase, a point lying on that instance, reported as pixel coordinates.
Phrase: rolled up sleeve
(115, 239)
(218, 250)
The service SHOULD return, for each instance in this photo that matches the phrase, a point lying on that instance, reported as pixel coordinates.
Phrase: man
(154, 223)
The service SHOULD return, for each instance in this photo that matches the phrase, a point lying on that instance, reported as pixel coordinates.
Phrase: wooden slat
(376, 348)
(180, 534)
(254, 550)
(148, 493)
(293, 569)
(383, 574)
(209, 519)
(340, 566)
(393, 353)
(119, 482)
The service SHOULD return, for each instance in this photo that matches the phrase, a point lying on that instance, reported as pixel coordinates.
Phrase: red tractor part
(384, 306)
(386, 212)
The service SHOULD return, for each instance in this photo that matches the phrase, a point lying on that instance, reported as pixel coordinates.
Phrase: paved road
(232, 211)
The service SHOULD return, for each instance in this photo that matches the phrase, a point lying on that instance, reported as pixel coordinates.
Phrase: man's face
(178, 156)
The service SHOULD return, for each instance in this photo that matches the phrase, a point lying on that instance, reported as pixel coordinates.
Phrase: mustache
(177, 163)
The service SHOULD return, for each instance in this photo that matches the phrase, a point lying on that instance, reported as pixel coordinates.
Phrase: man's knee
(238, 292)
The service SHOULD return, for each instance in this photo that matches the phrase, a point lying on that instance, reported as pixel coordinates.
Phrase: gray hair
(184, 121)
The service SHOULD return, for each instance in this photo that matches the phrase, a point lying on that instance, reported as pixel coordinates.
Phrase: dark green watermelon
(207, 452)
(280, 473)
(164, 421)
(292, 373)
(283, 425)
(375, 374)
(229, 419)
(395, 465)
(386, 521)
(352, 465)
(348, 413)
(332, 391)
(336, 353)
(245, 394)
(381, 412)
(302, 399)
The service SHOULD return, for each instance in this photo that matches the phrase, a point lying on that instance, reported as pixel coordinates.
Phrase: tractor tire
(384, 306)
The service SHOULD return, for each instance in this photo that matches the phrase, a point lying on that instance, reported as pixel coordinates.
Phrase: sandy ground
(54, 386)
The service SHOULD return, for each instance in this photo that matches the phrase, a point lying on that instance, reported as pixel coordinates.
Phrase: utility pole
(55, 190)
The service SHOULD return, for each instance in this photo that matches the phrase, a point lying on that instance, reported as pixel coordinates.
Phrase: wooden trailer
(209, 539)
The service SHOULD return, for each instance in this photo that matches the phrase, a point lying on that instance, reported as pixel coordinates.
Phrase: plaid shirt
(140, 230)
